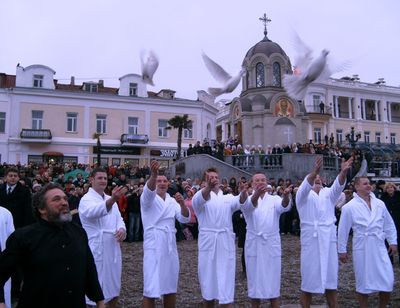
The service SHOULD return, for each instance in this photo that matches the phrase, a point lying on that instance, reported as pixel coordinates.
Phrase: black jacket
(19, 203)
(56, 263)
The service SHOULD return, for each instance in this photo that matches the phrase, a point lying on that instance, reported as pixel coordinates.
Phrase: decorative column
(376, 110)
(335, 102)
(349, 101)
(357, 108)
(382, 109)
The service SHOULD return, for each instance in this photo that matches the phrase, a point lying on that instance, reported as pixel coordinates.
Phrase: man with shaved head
(319, 258)
(372, 224)
(263, 242)
(160, 259)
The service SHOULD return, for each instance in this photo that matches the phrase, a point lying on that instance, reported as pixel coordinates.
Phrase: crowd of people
(118, 204)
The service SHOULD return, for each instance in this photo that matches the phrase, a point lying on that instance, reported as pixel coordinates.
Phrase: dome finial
(265, 20)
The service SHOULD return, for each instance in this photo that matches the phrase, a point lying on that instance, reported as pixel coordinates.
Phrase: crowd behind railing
(270, 157)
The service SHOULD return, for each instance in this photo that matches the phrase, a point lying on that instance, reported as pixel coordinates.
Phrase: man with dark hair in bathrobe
(105, 228)
(216, 267)
(319, 259)
(160, 258)
(372, 224)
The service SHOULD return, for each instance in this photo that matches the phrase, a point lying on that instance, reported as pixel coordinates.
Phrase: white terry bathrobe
(372, 266)
(6, 228)
(160, 258)
(319, 259)
(101, 226)
(263, 246)
(216, 267)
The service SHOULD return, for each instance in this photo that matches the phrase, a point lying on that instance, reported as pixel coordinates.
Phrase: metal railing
(35, 134)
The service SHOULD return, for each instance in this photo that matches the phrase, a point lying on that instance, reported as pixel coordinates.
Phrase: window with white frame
(133, 89)
(72, 119)
(133, 124)
(317, 135)
(162, 128)
(339, 136)
(188, 133)
(366, 137)
(2, 122)
(38, 81)
(91, 87)
(378, 137)
(37, 119)
(101, 123)
(316, 101)
(393, 138)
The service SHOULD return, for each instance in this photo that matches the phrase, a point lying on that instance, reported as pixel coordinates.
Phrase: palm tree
(179, 122)
(97, 136)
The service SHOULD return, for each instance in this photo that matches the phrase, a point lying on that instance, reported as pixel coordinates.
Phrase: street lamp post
(97, 136)
(353, 138)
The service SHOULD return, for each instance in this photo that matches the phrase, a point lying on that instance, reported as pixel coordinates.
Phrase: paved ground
(189, 289)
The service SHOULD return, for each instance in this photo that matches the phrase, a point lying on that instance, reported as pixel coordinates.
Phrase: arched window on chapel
(260, 75)
(276, 74)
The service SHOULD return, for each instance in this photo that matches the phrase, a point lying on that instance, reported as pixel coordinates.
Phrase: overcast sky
(102, 39)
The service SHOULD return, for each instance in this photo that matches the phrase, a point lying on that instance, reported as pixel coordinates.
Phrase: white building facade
(264, 114)
(41, 119)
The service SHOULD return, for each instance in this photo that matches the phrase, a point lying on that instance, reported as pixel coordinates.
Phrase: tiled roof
(7, 81)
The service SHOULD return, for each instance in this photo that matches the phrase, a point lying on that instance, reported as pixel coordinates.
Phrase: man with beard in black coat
(54, 255)
(16, 198)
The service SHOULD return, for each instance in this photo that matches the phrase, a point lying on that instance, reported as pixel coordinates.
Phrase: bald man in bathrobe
(160, 259)
(319, 259)
(372, 224)
(263, 242)
(216, 266)
(102, 221)
(6, 228)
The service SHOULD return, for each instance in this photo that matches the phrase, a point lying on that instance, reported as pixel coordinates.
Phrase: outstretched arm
(346, 165)
(151, 182)
(259, 190)
(317, 168)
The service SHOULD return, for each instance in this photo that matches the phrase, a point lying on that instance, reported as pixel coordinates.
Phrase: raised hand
(346, 165)
(154, 167)
(243, 186)
(318, 164)
(118, 192)
(179, 198)
(288, 190)
(212, 182)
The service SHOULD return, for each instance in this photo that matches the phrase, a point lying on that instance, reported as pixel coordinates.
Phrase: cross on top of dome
(265, 20)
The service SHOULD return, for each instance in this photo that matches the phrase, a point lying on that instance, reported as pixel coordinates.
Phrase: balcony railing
(127, 139)
(36, 134)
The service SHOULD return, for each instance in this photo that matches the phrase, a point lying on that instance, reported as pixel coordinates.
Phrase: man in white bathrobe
(105, 228)
(263, 242)
(6, 228)
(372, 224)
(160, 258)
(319, 259)
(216, 266)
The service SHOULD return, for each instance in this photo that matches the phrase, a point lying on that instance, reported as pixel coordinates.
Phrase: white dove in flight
(149, 63)
(306, 70)
(229, 83)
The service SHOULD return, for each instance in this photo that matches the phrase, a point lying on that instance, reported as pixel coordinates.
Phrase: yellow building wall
(54, 118)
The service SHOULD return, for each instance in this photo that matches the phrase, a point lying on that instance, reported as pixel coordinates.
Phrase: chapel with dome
(264, 113)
